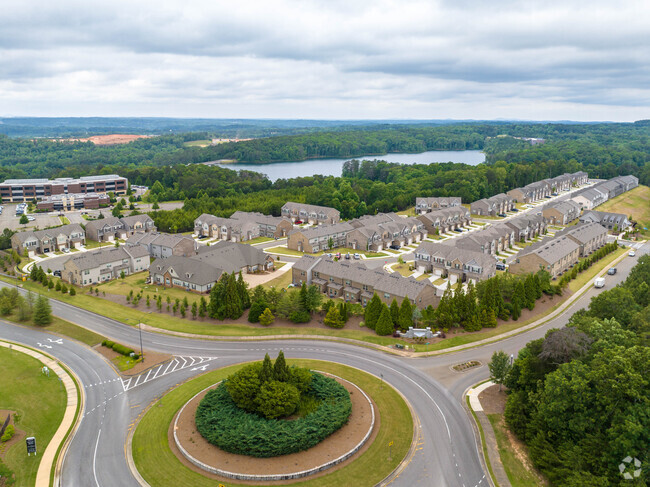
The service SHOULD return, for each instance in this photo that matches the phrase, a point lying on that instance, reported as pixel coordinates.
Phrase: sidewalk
(500, 476)
(49, 456)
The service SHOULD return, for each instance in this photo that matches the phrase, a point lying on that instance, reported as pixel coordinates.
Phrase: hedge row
(234, 430)
(119, 348)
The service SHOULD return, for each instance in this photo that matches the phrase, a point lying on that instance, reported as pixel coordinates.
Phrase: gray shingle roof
(187, 269)
(583, 232)
(552, 251)
(51, 232)
(95, 258)
(231, 256)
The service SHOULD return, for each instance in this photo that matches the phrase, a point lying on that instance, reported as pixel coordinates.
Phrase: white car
(31, 218)
(66, 250)
(631, 253)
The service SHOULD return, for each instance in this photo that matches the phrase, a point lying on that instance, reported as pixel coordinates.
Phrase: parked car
(612, 271)
(631, 253)
(357, 256)
(515, 209)
(57, 273)
(66, 250)
(600, 282)
(395, 247)
(501, 266)
(347, 256)
(298, 222)
(547, 196)
(502, 215)
(553, 194)
(399, 345)
(31, 218)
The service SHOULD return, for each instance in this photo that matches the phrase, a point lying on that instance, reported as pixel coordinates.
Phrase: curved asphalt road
(447, 450)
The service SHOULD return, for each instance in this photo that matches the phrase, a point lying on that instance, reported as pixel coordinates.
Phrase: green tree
(280, 368)
(266, 372)
(405, 314)
(373, 311)
(244, 386)
(499, 367)
(277, 399)
(42, 311)
(58, 286)
(394, 311)
(384, 323)
(24, 220)
(333, 318)
(73, 291)
(267, 318)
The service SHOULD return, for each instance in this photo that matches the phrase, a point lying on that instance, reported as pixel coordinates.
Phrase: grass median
(39, 402)
(159, 466)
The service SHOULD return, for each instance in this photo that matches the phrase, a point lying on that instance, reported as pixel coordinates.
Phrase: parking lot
(8, 219)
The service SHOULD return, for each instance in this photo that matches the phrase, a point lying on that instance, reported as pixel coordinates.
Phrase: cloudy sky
(333, 59)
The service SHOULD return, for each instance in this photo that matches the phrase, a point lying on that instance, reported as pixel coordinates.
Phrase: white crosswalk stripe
(175, 364)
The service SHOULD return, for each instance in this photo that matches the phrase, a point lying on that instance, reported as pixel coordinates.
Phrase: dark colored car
(547, 197)
(502, 215)
(501, 267)
(515, 209)
(612, 271)
(395, 247)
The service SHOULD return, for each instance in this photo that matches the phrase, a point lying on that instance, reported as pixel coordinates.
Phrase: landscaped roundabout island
(307, 422)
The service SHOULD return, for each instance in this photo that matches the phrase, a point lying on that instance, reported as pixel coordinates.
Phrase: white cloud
(327, 59)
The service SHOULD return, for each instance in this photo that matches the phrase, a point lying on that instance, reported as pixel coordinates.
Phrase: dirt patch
(329, 449)
(111, 139)
(151, 359)
(520, 451)
(493, 400)
(18, 435)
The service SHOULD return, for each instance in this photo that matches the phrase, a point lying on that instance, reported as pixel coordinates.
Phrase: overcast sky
(348, 59)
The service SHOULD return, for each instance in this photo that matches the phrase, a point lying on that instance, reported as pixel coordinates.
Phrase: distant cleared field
(198, 143)
(634, 203)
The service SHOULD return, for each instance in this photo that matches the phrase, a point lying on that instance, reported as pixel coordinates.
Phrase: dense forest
(580, 397)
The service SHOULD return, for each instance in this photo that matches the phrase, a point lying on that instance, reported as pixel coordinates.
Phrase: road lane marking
(95, 458)
(175, 364)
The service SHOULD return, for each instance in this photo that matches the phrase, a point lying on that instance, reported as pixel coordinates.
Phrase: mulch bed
(329, 449)
(493, 400)
(18, 435)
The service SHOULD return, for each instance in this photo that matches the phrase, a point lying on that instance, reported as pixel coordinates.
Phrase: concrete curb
(52, 457)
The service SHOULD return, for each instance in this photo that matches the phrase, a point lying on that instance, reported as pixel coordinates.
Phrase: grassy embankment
(39, 402)
(159, 466)
(634, 203)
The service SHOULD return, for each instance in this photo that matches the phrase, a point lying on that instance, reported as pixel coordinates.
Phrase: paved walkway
(257, 279)
(500, 476)
(49, 455)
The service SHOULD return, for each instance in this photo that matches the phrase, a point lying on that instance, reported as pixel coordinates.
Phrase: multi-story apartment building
(73, 201)
(588, 236)
(354, 282)
(425, 205)
(378, 232)
(493, 206)
(611, 221)
(19, 190)
(446, 219)
(112, 228)
(457, 264)
(561, 212)
(313, 214)
(319, 238)
(97, 266)
(48, 240)
(269, 226)
(555, 256)
(163, 245)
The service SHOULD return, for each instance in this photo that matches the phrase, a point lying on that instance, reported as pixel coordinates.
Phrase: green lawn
(159, 466)
(64, 220)
(123, 362)
(136, 283)
(408, 212)
(634, 203)
(518, 474)
(258, 240)
(403, 269)
(92, 244)
(40, 402)
(280, 282)
(63, 327)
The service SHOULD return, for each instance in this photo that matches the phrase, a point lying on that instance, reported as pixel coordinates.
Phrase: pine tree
(459, 304)
(266, 372)
(73, 291)
(491, 319)
(333, 318)
(373, 310)
(233, 305)
(242, 287)
(394, 311)
(58, 286)
(280, 368)
(444, 314)
(304, 299)
(405, 314)
(42, 311)
(267, 317)
(195, 310)
(33, 274)
(472, 321)
(384, 323)
(538, 286)
(529, 289)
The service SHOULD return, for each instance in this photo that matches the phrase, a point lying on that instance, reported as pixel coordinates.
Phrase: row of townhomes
(425, 205)
(457, 264)
(19, 190)
(163, 245)
(73, 201)
(111, 228)
(370, 232)
(615, 222)
(97, 266)
(445, 220)
(197, 273)
(242, 226)
(593, 196)
(493, 206)
(49, 240)
(314, 214)
(563, 251)
(500, 236)
(547, 187)
(561, 212)
(356, 283)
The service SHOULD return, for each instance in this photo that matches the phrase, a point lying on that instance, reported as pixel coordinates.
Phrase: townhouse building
(49, 240)
(112, 228)
(457, 263)
(561, 212)
(269, 226)
(527, 226)
(313, 214)
(198, 273)
(590, 198)
(102, 265)
(446, 219)
(20, 190)
(318, 238)
(614, 222)
(354, 282)
(164, 245)
(555, 256)
(378, 232)
(589, 236)
(425, 205)
(493, 206)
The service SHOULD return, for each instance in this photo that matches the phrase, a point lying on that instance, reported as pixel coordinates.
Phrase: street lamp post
(140, 331)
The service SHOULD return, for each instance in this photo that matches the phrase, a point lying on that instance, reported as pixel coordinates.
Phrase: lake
(334, 167)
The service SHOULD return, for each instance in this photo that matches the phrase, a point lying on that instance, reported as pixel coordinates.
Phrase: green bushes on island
(244, 414)
(119, 348)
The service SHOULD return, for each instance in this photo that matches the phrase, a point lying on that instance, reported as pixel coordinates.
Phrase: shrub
(119, 348)
(8, 434)
(300, 317)
(267, 318)
(277, 399)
